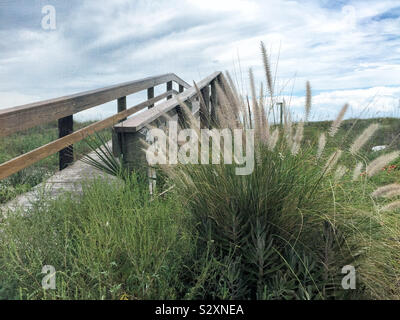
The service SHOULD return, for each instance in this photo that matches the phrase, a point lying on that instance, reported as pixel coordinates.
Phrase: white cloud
(341, 50)
(373, 102)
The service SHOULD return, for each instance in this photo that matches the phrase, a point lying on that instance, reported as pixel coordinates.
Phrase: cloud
(347, 49)
(370, 102)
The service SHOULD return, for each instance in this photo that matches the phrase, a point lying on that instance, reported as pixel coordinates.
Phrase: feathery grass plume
(387, 191)
(392, 206)
(391, 194)
(273, 139)
(357, 171)
(251, 126)
(226, 116)
(256, 110)
(363, 138)
(203, 107)
(333, 159)
(267, 69)
(298, 138)
(380, 162)
(338, 121)
(340, 172)
(264, 117)
(321, 145)
(231, 93)
(308, 100)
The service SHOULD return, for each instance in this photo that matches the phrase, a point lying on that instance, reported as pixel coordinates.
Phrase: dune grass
(310, 207)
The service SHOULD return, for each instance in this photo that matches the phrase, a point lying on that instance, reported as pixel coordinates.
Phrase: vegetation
(318, 200)
(23, 142)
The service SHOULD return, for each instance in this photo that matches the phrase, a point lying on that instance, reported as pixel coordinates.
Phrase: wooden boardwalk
(67, 180)
(127, 134)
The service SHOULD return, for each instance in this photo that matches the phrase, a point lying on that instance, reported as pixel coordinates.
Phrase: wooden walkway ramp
(67, 180)
(201, 97)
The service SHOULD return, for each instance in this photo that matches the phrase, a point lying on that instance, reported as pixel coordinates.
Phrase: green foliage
(113, 242)
(25, 141)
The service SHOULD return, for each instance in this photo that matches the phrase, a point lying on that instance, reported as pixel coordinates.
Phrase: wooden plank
(136, 123)
(214, 102)
(66, 127)
(121, 105)
(169, 88)
(27, 116)
(205, 110)
(150, 95)
(12, 166)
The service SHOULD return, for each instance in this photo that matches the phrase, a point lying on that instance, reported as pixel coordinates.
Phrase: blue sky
(349, 50)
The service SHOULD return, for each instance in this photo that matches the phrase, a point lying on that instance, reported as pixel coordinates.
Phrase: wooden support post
(65, 127)
(221, 83)
(122, 105)
(150, 95)
(214, 102)
(132, 149)
(169, 87)
(116, 138)
(281, 112)
(205, 110)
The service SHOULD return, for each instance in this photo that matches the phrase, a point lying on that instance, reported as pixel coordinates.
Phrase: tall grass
(310, 207)
(115, 242)
(287, 229)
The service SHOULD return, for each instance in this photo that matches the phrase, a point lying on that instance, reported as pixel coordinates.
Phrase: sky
(348, 50)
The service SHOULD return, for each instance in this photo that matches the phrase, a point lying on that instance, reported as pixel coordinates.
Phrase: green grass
(23, 142)
(269, 235)
(113, 243)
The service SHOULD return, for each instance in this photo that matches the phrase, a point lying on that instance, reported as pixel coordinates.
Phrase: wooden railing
(132, 131)
(20, 118)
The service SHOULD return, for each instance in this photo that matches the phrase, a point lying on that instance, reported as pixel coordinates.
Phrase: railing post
(205, 111)
(122, 105)
(150, 95)
(169, 87)
(65, 127)
(132, 149)
(116, 138)
(214, 101)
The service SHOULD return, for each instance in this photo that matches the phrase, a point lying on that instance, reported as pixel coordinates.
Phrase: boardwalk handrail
(130, 135)
(136, 123)
(62, 109)
(30, 115)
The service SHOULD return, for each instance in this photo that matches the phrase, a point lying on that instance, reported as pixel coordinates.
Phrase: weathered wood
(169, 88)
(134, 157)
(114, 136)
(121, 105)
(66, 155)
(214, 102)
(205, 110)
(27, 116)
(136, 123)
(116, 143)
(12, 166)
(150, 95)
